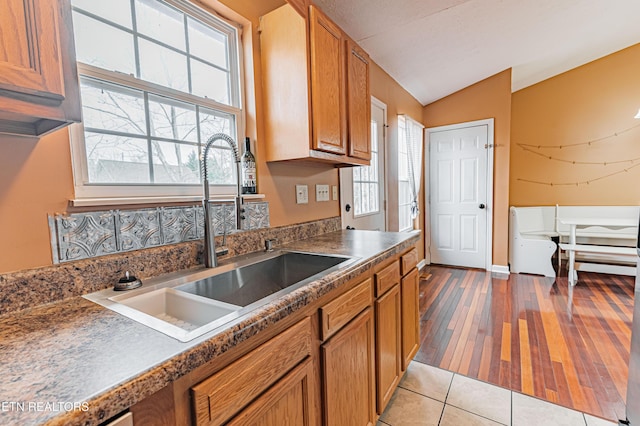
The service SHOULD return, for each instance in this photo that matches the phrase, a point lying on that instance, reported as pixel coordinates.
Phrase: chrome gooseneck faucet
(210, 259)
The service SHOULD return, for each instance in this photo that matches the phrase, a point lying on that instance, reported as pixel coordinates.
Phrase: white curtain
(414, 132)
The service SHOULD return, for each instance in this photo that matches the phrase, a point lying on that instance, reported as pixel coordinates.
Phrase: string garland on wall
(531, 148)
(588, 143)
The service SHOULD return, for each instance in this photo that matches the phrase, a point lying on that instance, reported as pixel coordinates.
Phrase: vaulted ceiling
(436, 47)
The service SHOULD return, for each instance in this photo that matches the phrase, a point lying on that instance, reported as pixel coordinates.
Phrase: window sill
(117, 201)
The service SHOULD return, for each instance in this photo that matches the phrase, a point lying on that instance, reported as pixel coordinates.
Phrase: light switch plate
(334, 191)
(302, 194)
(322, 192)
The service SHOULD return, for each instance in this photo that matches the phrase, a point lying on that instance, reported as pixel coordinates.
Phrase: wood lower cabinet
(410, 298)
(39, 89)
(315, 84)
(335, 362)
(348, 374)
(219, 397)
(289, 402)
(388, 354)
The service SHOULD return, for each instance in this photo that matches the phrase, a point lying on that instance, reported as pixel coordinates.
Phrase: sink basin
(251, 283)
(187, 305)
(182, 310)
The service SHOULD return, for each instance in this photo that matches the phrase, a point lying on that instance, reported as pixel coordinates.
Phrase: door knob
(350, 227)
(482, 206)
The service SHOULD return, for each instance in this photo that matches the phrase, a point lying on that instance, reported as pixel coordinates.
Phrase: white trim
(500, 269)
(489, 122)
(89, 202)
(384, 151)
(422, 263)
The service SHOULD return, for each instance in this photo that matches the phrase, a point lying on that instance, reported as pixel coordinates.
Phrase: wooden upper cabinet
(305, 72)
(358, 102)
(327, 84)
(30, 50)
(38, 79)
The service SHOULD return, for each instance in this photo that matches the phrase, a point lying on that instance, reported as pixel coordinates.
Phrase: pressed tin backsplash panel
(79, 236)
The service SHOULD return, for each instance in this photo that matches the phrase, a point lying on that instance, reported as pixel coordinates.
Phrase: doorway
(362, 189)
(460, 202)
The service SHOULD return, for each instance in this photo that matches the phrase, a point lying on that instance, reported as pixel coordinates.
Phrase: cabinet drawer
(225, 393)
(387, 278)
(334, 315)
(409, 260)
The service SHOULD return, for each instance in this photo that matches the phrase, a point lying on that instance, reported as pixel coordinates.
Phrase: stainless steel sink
(185, 306)
(251, 283)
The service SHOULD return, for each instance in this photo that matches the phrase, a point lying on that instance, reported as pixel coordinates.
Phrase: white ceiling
(436, 47)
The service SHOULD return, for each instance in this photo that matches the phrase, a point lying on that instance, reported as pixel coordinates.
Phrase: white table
(608, 223)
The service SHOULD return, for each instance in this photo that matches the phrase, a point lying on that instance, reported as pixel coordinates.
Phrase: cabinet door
(327, 84)
(358, 102)
(387, 346)
(349, 382)
(30, 61)
(290, 402)
(409, 294)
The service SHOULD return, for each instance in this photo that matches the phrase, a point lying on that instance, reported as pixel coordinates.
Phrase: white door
(461, 166)
(362, 191)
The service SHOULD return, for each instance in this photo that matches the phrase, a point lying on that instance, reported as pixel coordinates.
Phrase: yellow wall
(398, 101)
(490, 98)
(590, 102)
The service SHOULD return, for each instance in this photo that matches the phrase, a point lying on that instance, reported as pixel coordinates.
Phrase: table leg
(573, 275)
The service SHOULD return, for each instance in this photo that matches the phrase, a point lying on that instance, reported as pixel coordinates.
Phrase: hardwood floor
(522, 333)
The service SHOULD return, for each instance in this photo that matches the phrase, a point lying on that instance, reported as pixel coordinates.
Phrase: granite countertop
(75, 362)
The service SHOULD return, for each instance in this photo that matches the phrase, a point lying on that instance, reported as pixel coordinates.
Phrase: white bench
(631, 253)
(531, 247)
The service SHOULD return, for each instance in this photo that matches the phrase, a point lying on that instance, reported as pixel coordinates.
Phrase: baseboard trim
(422, 263)
(500, 269)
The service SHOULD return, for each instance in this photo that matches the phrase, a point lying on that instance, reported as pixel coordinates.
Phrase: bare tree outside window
(152, 76)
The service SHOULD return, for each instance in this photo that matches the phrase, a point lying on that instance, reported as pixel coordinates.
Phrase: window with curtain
(157, 79)
(410, 142)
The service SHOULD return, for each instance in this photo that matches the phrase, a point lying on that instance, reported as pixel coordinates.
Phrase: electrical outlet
(302, 194)
(334, 190)
(322, 192)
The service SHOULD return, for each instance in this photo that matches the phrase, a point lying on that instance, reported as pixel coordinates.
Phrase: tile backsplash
(31, 287)
(79, 236)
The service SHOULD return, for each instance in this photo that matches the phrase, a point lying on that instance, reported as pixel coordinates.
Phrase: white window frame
(88, 194)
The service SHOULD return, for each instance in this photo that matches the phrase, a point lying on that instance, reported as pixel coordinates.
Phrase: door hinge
(488, 145)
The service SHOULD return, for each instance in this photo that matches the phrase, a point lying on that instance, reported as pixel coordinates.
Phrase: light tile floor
(431, 396)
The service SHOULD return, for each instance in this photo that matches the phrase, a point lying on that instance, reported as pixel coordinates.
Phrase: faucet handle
(268, 244)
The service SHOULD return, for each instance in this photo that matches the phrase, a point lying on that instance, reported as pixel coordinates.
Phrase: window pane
(209, 82)
(356, 173)
(207, 43)
(373, 198)
(118, 11)
(116, 159)
(111, 107)
(357, 199)
(221, 167)
(175, 163)
(160, 22)
(172, 119)
(212, 123)
(102, 45)
(163, 66)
